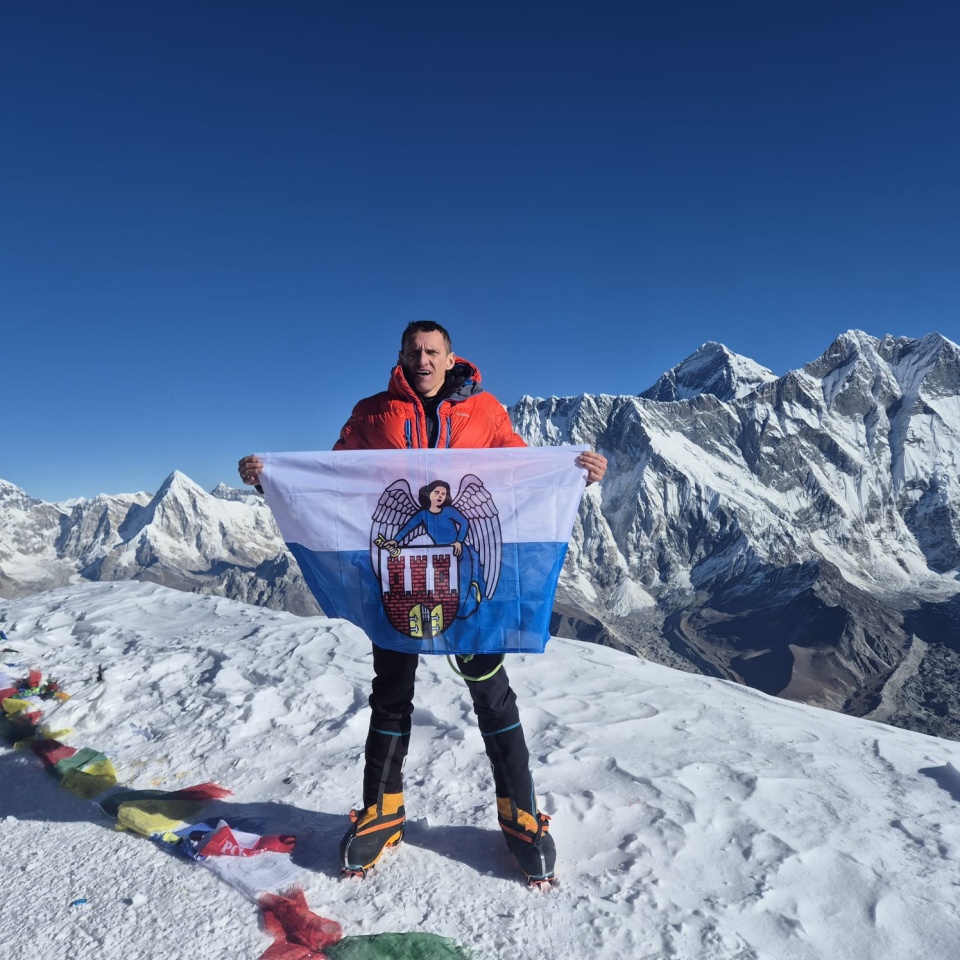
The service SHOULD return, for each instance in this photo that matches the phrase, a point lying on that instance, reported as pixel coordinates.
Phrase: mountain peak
(11, 494)
(223, 492)
(179, 484)
(927, 365)
(9, 489)
(710, 369)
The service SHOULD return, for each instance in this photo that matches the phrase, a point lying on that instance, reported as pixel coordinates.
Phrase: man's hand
(249, 469)
(594, 463)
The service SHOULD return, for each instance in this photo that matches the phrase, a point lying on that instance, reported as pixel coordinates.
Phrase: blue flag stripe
(515, 620)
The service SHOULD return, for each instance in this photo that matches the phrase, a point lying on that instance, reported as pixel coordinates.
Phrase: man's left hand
(594, 463)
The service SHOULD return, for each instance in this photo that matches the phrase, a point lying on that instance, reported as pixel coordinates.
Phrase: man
(434, 399)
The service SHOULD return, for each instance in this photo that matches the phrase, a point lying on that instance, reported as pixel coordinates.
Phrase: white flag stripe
(532, 504)
(472, 568)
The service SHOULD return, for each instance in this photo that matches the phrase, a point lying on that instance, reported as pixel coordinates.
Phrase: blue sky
(217, 217)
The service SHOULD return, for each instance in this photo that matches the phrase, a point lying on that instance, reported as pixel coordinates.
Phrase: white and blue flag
(431, 551)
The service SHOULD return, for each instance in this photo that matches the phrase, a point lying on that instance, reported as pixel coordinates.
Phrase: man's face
(425, 361)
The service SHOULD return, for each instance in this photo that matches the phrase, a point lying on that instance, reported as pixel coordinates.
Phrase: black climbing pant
(494, 703)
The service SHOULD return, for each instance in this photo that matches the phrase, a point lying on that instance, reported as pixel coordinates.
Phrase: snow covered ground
(695, 819)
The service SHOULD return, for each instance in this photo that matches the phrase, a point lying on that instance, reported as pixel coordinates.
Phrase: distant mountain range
(800, 534)
(224, 543)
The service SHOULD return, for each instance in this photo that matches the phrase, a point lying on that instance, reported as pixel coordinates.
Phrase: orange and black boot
(528, 839)
(371, 831)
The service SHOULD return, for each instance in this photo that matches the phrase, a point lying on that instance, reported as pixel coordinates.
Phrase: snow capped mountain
(225, 543)
(222, 492)
(711, 369)
(800, 534)
(30, 531)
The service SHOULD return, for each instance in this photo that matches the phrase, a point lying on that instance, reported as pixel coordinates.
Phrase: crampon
(372, 831)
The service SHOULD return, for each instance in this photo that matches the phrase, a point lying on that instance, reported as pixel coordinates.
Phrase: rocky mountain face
(800, 534)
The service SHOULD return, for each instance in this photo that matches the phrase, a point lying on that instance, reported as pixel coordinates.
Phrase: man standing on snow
(434, 399)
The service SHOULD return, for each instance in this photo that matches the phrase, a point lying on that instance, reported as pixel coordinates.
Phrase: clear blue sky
(217, 217)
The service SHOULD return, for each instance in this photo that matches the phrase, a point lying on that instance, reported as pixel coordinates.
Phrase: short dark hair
(425, 326)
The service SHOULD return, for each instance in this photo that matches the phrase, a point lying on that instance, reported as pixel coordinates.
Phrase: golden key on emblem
(382, 541)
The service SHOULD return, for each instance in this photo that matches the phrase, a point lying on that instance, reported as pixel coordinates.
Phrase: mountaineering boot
(529, 840)
(371, 832)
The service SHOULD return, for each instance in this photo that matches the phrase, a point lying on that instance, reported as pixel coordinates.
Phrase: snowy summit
(695, 819)
(712, 369)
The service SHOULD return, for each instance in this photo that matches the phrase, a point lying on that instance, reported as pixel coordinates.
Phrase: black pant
(494, 702)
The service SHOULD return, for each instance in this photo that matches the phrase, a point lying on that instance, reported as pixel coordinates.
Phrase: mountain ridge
(800, 534)
(826, 495)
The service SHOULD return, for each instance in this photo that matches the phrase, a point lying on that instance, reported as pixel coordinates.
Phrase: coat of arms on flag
(437, 557)
(431, 551)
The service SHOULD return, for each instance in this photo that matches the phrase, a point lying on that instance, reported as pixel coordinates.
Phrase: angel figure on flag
(468, 524)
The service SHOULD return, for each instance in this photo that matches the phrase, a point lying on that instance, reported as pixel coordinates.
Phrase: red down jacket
(468, 417)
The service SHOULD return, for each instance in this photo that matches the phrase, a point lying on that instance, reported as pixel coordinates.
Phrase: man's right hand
(249, 469)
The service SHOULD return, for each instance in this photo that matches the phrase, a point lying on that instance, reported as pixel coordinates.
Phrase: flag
(431, 551)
